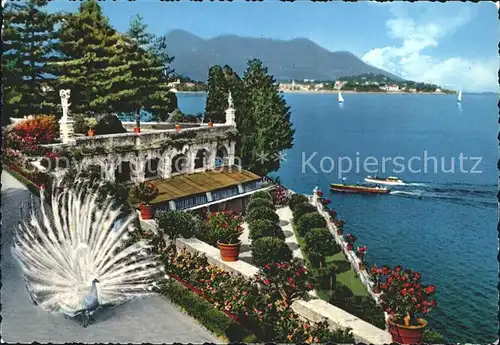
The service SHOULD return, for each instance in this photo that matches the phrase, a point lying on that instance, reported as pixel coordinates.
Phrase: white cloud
(419, 35)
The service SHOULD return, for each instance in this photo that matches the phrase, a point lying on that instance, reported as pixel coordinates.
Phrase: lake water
(443, 222)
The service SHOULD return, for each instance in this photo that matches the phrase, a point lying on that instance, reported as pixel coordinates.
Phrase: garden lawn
(348, 277)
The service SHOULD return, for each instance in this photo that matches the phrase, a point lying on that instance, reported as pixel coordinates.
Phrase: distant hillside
(295, 59)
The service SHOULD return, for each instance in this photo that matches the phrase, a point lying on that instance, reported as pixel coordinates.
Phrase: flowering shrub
(42, 128)
(361, 251)
(332, 214)
(145, 192)
(326, 201)
(285, 280)
(350, 238)
(339, 223)
(226, 226)
(403, 296)
(280, 196)
(267, 310)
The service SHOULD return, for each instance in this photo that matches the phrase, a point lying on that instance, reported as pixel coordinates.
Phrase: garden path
(149, 320)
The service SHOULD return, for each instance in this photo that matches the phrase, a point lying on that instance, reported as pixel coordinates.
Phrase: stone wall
(139, 150)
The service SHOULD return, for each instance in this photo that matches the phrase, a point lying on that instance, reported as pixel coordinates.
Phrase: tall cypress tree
(216, 102)
(28, 43)
(244, 119)
(273, 130)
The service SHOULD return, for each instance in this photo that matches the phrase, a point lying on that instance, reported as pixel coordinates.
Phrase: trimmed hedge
(363, 307)
(109, 124)
(262, 195)
(309, 221)
(320, 241)
(262, 213)
(260, 202)
(301, 209)
(325, 278)
(267, 250)
(265, 228)
(214, 320)
(296, 199)
(175, 223)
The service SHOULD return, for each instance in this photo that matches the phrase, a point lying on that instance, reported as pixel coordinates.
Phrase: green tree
(93, 60)
(28, 44)
(217, 99)
(151, 72)
(270, 117)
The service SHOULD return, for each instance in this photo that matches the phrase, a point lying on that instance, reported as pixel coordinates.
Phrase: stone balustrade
(363, 275)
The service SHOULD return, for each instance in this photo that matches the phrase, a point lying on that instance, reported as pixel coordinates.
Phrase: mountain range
(295, 59)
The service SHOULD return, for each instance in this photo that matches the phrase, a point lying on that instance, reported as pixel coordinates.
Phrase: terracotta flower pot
(210, 124)
(91, 132)
(350, 246)
(361, 266)
(229, 252)
(137, 130)
(376, 289)
(147, 211)
(340, 232)
(177, 128)
(407, 334)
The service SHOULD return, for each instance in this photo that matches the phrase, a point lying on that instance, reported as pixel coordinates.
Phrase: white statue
(230, 111)
(230, 100)
(64, 102)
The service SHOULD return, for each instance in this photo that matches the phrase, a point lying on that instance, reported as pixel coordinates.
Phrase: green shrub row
(214, 320)
(319, 244)
(268, 240)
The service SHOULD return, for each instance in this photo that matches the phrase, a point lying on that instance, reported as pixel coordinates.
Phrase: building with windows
(193, 167)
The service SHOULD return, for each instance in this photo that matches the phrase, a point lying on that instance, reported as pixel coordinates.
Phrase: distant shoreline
(345, 92)
(375, 92)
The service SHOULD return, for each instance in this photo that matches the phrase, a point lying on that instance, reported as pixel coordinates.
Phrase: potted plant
(227, 228)
(145, 192)
(326, 201)
(375, 273)
(404, 299)
(360, 253)
(332, 213)
(91, 123)
(210, 123)
(319, 193)
(350, 239)
(177, 127)
(137, 129)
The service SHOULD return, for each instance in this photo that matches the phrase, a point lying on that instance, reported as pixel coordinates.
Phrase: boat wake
(473, 195)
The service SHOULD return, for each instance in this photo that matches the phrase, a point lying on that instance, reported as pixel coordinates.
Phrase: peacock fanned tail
(62, 251)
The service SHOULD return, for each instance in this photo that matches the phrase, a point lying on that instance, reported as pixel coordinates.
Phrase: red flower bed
(263, 310)
(42, 128)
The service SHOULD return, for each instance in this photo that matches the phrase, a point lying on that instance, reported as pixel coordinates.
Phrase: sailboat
(341, 99)
(459, 99)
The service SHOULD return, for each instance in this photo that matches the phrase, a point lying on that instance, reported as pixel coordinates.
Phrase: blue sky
(453, 44)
